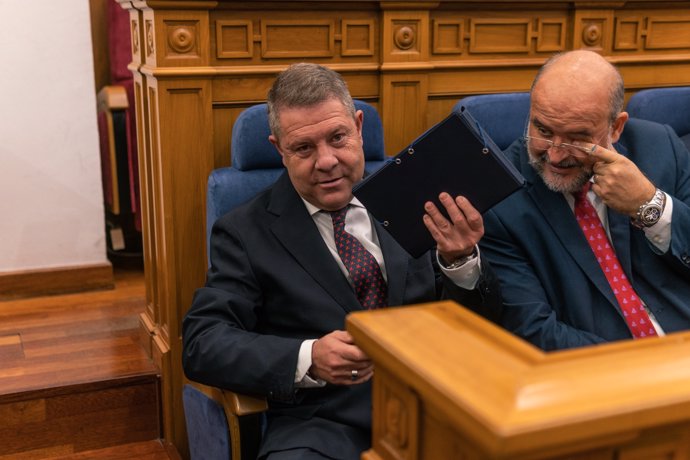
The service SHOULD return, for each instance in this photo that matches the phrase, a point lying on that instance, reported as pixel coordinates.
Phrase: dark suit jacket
(272, 284)
(555, 294)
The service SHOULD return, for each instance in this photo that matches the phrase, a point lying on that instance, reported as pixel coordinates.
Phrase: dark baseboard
(52, 281)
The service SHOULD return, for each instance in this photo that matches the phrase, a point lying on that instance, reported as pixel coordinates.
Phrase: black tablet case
(455, 156)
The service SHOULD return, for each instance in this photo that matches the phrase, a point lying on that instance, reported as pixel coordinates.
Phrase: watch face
(651, 215)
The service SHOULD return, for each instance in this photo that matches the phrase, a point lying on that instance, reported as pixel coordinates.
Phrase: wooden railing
(198, 63)
(450, 385)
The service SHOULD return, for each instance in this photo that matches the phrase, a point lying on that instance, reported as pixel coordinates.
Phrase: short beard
(555, 183)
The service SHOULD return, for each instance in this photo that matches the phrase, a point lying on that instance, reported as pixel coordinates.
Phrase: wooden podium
(450, 385)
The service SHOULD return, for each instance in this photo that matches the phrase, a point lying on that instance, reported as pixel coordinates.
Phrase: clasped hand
(335, 356)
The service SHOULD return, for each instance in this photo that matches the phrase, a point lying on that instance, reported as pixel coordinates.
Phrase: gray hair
(305, 85)
(616, 92)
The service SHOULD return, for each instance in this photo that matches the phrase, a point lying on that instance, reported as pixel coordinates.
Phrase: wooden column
(173, 104)
(404, 70)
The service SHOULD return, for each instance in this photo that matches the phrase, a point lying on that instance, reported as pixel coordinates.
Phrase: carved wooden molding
(593, 30)
(500, 35)
(357, 37)
(592, 33)
(448, 36)
(149, 38)
(397, 429)
(667, 32)
(628, 33)
(234, 38)
(134, 29)
(182, 39)
(405, 35)
(284, 38)
(551, 35)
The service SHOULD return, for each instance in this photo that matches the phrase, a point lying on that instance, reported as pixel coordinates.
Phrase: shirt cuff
(466, 275)
(659, 234)
(302, 379)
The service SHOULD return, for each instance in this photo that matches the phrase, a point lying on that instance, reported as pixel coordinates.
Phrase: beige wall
(50, 184)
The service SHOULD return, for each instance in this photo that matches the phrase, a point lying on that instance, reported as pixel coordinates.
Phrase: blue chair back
(256, 164)
(502, 116)
(670, 106)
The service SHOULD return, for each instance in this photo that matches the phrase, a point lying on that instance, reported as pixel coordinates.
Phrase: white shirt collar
(313, 209)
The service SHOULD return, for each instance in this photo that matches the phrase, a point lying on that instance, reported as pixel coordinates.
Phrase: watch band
(457, 263)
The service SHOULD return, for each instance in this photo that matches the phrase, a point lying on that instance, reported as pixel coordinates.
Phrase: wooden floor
(75, 383)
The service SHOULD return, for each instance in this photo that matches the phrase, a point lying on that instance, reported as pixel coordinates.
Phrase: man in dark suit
(581, 152)
(270, 318)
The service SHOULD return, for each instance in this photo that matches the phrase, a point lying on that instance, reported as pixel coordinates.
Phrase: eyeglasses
(545, 144)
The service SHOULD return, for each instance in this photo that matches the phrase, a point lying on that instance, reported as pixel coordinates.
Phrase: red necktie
(365, 272)
(634, 312)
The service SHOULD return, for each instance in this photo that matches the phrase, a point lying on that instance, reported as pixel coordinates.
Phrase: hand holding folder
(454, 156)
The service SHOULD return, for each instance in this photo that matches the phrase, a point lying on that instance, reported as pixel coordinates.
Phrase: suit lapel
(561, 218)
(296, 231)
(619, 227)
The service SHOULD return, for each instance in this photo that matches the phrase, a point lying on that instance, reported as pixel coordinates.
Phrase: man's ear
(359, 121)
(273, 140)
(618, 126)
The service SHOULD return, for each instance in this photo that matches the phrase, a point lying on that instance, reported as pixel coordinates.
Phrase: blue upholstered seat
(670, 106)
(256, 164)
(502, 116)
(201, 413)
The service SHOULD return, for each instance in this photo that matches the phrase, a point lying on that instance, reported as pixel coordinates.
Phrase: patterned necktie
(365, 272)
(634, 312)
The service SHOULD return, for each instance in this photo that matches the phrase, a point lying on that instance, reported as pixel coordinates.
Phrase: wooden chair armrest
(112, 97)
(242, 404)
(243, 413)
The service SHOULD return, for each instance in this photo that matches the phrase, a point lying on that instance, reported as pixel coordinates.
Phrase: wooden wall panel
(358, 37)
(399, 93)
(253, 37)
(667, 33)
(234, 39)
(500, 35)
(198, 63)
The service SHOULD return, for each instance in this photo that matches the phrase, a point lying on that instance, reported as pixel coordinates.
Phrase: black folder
(454, 156)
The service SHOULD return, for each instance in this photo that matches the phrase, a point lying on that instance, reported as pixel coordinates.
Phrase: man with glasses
(596, 246)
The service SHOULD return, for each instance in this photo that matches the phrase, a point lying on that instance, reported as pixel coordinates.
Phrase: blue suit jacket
(555, 294)
(272, 284)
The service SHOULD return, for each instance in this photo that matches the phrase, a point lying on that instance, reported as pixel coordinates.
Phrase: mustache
(569, 162)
